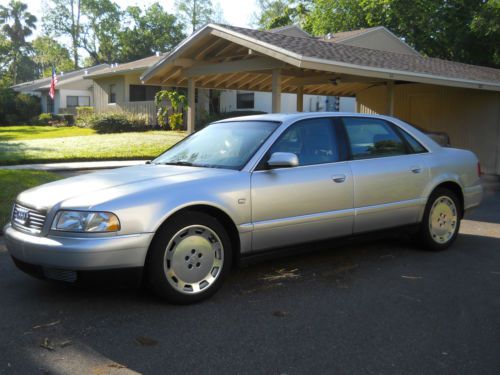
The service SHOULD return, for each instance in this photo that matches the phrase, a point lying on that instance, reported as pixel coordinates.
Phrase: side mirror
(283, 160)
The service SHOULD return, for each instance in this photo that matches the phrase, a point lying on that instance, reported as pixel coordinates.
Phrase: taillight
(479, 173)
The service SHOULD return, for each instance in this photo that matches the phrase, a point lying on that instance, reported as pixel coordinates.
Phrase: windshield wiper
(183, 163)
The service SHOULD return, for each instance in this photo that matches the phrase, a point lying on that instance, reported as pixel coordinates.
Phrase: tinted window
(313, 141)
(372, 138)
(245, 100)
(415, 145)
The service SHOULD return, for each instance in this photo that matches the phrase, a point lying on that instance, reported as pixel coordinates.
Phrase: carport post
(300, 99)
(276, 91)
(191, 106)
(390, 98)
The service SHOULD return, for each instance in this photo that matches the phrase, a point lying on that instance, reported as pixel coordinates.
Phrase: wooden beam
(300, 99)
(276, 91)
(191, 115)
(390, 98)
(240, 66)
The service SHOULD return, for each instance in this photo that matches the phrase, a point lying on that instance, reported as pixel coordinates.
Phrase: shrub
(69, 119)
(84, 116)
(118, 123)
(44, 119)
(51, 119)
(17, 108)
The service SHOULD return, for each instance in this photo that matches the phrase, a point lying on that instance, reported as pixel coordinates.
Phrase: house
(72, 90)
(460, 99)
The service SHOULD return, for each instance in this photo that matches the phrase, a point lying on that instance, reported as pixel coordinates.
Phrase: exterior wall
(101, 91)
(470, 117)
(380, 40)
(263, 102)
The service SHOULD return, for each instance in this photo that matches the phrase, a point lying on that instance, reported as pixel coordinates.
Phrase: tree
(62, 19)
(18, 24)
(47, 53)
(144, 33)
(100, 27)
(278, 13)
(195, 13)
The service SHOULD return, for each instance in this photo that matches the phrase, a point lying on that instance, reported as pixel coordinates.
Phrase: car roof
(288, 117)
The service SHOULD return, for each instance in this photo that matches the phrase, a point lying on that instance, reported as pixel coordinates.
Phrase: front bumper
(78, 253)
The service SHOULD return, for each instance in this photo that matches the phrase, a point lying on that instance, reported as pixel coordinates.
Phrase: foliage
(47, 53)
(62, 18)
(118, 123)
(18, 24)
(17, 108)
(147, 32)
(53, 119)
(195, 13)
(14, 182)
(278, 13)
(169, 106)
(84, 116)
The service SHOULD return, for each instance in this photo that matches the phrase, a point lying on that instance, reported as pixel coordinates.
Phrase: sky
(236, 12)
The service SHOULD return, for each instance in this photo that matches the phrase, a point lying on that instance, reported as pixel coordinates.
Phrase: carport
(462, 100)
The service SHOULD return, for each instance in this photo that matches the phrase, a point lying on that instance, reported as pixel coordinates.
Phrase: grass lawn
(14, 182)
(44, 147)
(18, 133)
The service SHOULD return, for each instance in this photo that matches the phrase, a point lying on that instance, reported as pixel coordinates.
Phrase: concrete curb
(75, 166)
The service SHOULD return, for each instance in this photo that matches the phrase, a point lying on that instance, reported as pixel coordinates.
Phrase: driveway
(369, 306)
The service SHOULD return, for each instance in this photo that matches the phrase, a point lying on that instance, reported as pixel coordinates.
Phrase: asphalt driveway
(370, 306)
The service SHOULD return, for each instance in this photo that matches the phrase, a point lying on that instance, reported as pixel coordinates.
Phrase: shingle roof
(344, 35)
(364, 57)
(139, 65)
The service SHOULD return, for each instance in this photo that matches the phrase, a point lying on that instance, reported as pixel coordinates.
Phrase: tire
(189, 258)
(441, 221)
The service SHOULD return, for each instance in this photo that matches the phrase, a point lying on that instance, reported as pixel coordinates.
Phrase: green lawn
(14, 182)
(18, 133)
(44, 147)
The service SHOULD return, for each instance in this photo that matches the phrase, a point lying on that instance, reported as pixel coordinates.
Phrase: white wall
(263, 102)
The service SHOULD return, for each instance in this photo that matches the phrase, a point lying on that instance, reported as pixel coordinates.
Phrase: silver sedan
(239, 187)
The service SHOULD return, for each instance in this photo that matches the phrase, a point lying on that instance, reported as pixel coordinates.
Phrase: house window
(77, 101)
(141, 93)
(112, 94)
(245, 100)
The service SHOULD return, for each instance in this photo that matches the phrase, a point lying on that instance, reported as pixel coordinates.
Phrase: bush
(119, 123)
(44, 119)
(17, 108)
(69, 119)
(84, 116)
(51, 119)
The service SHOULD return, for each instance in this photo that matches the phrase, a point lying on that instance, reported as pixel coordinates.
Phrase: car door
(389, 175)
(312, 201)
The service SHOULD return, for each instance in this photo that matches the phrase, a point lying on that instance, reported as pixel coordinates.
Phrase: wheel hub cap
(193, 259)
(443, 219)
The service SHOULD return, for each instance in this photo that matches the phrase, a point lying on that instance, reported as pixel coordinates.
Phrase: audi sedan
(240, 187)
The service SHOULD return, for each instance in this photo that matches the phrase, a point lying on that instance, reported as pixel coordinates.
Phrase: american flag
(52, 91)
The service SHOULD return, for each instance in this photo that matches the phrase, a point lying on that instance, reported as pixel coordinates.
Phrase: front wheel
(441, 221)
(189, 259)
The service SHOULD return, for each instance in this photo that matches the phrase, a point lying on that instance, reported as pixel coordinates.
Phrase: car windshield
(221, 145)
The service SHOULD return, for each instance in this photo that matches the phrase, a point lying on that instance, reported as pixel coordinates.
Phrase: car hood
(46, 196)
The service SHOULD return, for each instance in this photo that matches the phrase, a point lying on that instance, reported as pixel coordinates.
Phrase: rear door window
(372, 138)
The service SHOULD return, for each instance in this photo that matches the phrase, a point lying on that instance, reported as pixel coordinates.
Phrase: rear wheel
(441, 221)
(189, 259)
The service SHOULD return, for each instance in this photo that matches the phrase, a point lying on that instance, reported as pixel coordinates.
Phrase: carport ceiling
(226, 57)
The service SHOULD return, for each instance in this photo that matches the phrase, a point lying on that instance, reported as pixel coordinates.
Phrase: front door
(309, 202)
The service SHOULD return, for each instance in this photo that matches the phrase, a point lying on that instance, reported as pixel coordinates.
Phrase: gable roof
(354, 37)
(291, 30)
(132, 66)
(62, 79)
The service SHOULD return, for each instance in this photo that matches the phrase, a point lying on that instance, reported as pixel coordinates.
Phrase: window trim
(261, 165)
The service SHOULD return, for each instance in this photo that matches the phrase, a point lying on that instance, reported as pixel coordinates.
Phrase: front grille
(28, 219)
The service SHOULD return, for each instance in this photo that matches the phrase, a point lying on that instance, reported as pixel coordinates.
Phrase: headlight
(81, 221)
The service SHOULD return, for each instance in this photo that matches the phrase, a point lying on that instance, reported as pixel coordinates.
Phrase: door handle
(338, 178)
(416, 169)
